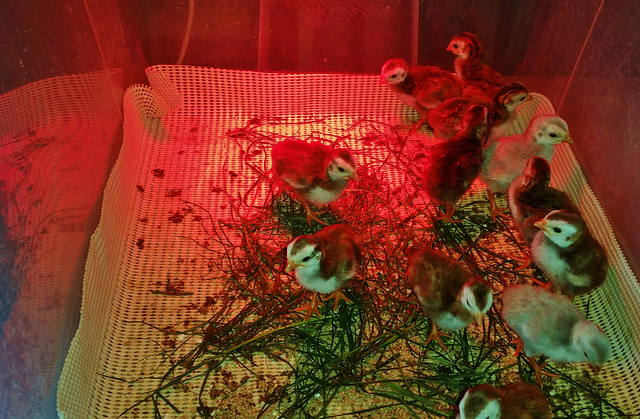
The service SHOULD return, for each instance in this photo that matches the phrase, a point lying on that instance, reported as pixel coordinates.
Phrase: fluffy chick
(570, 257)
(324, 261)
(315, 172)
(531, 198)
(505, 102)
(506, 157)
(549, 324)
(446, 119)
(422, 87)
(477, 78)
(515, 400)
(447, 292)
(453, 165)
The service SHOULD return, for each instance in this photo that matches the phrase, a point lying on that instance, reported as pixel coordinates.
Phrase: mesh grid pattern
(175, 141)
(48, 195)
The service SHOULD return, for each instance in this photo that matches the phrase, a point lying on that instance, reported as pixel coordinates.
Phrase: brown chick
(446, 119)
(422, 87)
(447, 292)
(477, 78)
(505, 102)
(531, 198)
(453, 165)
(324, 262)
(517, 400)
(314, 172)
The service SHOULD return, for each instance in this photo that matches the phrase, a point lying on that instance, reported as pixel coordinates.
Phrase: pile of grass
(368, 358)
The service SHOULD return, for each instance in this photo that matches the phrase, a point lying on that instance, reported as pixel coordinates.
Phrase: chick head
(465, 44)
(562, 227)
(341, 165)
(394, 71)
(304, 252)
(477, 296)
(550, 129)
(480, 402)
(592, 342)
(511, 95)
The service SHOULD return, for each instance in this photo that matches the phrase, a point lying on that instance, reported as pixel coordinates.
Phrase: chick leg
(537, 369)
(495, 211)
(336, 296)
(447, 216)
(524, 262)
(307, 209)
(435, 335)
(518, 343)
(310, 308)
(548, 286)
(418, 124)
(310, 214)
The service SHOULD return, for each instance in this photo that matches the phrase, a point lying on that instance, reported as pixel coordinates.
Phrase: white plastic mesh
(52, 172)
(176, 149)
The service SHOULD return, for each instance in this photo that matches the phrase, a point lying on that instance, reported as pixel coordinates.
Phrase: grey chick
(506, 157)
(570, 257)
(549, 324)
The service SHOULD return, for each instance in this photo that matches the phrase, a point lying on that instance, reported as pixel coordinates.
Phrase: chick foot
(336, 296)
(538, 370)
(448, 214)
(311, 308)
(312, 215)
(495, 210)
(435, 335)
(524, 262)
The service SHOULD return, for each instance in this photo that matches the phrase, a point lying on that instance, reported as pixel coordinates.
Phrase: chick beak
(596, 369)
(542, 225)
(568, 139)
(355, 177)
(382, 80)
(478, 317)
(291, 265)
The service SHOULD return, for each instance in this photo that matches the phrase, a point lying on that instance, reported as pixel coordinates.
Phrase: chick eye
(557, 229)
(455, 45)
(306, 259)
(341, 169)
(585, 355)
(553, 135)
